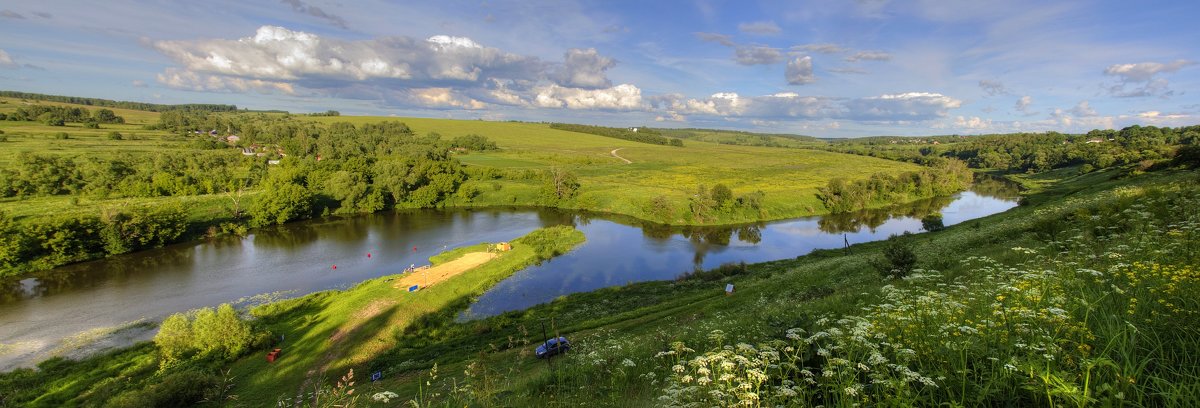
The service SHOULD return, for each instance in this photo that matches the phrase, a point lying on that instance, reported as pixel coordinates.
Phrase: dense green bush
(898, 258)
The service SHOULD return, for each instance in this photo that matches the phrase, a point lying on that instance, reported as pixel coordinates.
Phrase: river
(93, 306)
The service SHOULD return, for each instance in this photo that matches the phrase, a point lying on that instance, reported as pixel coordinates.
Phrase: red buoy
(335, 267)
(414, 249)
(368, 254)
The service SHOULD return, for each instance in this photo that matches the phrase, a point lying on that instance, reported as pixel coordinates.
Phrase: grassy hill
(788, 177)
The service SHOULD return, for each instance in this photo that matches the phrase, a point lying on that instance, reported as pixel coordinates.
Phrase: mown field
(788, 177)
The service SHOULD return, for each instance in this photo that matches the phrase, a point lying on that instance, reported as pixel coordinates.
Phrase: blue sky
(823, 68)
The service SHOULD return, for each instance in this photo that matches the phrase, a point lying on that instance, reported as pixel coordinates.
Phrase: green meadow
(788, 177)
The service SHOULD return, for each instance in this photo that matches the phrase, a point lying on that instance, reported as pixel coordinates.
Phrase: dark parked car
(553, 347)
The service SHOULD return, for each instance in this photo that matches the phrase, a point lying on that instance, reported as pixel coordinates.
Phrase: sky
(822, 68)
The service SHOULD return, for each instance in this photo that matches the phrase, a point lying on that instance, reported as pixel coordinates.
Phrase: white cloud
(585, 69)
(188, 80)
(670, 116)
(137, 83)
(277, 53)
(1023, 104)
(972, 123)
(1143, 77)
(620, 97)
(1083, 109)
(800, 71)
(1144, 71)
(819, 48)
(757, 55)
(717, 38)
(993, 87)
(760, 27)
(905, 106)
(869, 56)
(443, 98)
(6, 60)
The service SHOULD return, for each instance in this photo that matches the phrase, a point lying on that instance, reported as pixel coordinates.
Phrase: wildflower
(677, 368)
(628, 363)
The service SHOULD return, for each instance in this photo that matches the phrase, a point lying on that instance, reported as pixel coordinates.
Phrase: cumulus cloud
(192, 81)
(584, 69)
(869, 56)
(799, 71)
(620, 97)
(1023, 104)
(299, 7)
(443, 98)
(1143, 79)
(670, 116)
(972, 123)
(717, 38)
(819, 48)
(913, 106)
(760, 27)
(992, 87)
(11, 14)
(440, 72)
(905, 106)
(1083, 109)
(757, 55)
(280, 54)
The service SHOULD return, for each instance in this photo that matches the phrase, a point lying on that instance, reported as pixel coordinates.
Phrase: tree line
(947, 176)
(142, 106)
(1034, 152)
(59, 115)
(642, 135)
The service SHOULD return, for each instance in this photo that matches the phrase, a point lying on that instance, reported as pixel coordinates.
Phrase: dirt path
(614, 154)
(433, 275)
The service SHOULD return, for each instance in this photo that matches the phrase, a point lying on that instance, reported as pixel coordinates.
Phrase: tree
(721, 194)
(107, 116)
(898, 259)
(701, 204)
(281, 201)
(560, 184)
(115, 135)
(174, 338)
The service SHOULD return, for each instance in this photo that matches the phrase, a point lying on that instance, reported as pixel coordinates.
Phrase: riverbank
(329, 331)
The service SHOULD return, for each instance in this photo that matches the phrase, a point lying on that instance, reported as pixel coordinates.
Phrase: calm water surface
(39, 313)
